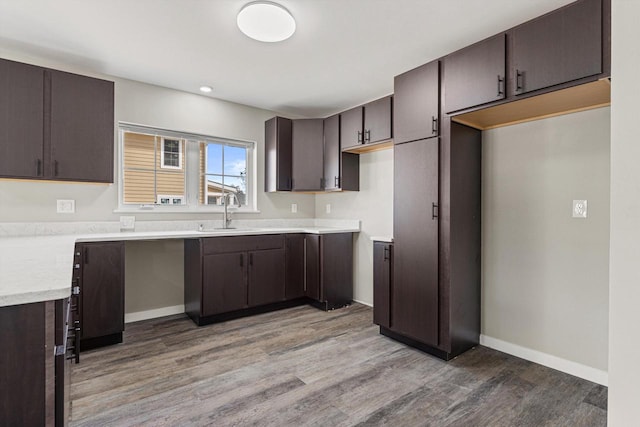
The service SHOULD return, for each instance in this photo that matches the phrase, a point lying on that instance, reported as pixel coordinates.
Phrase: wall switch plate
(127, 222)
(294, 207)
(328, 208)
(579, 208)
(66, 206)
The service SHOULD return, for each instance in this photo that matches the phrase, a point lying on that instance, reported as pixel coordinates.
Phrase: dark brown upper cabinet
(558, 47)
(341, 169)
(377, 120)
(475, 75)
(307, 149)
(352, 127)
(55, 125)
(332, 152)
(277, 154)
(416, 110)
(82, 136)
(21, 110)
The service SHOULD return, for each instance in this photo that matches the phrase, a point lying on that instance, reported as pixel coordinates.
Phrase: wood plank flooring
(303, 366)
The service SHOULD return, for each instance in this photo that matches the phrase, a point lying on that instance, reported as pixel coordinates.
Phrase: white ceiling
(344, 52)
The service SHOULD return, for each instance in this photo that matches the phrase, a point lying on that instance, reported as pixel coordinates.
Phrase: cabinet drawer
(217, 245)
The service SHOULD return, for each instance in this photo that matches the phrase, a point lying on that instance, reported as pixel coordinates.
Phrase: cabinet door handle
(336, 181)
(386, 253)
(359, 137)
(55, 168)
(367, 135)
(500, 86)
(519, 81)
(241, 260)
(251, 259)
(434, 211)
(434, 125)
(38, 167)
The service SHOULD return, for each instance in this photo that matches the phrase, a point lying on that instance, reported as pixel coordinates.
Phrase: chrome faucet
(226, 216)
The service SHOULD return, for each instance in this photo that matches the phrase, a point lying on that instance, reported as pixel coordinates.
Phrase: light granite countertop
(36, 268)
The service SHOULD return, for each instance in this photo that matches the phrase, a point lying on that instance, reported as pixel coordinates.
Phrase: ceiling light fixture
(205, 89)
(266, 21)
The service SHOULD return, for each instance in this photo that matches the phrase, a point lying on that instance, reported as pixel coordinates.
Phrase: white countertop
(39, 268)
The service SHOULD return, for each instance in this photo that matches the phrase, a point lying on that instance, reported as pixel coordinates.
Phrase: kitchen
(29, 202)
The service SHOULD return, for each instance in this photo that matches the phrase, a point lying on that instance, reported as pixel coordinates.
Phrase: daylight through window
(167, 168)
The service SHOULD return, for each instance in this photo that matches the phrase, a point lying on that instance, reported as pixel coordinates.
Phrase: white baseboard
(363, 303)
(548, 360)
(152, 314)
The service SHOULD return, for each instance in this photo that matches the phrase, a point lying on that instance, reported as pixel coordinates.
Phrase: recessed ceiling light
(205, 89)
(266, 21)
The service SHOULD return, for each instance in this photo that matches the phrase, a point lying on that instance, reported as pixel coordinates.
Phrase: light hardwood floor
(302, 366)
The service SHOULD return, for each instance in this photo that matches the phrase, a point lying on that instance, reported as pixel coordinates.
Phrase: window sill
(179, 210)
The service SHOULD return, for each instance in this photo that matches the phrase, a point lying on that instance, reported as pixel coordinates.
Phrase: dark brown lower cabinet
(382, 279)
(227, 277)
(434, 300)
(101, 293)
(34, 365)
(266, 282)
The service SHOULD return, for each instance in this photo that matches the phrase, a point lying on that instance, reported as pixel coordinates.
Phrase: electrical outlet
(579, 208)
(66, 206)
(127, 222)
(328, 208)
(294, 207)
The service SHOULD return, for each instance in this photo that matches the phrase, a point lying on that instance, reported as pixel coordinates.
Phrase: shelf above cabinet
(571, 100)
(368, 148)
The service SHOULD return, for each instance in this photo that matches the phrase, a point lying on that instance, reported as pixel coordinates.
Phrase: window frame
(190, 144)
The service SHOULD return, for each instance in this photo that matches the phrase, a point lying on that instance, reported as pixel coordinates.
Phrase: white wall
(544, 273)
(373, 206)
(624, 267)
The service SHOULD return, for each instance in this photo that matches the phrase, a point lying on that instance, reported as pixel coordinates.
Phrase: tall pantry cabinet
(435, 293)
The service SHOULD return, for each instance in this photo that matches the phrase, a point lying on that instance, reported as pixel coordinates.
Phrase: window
(162, 169)
(171, 154)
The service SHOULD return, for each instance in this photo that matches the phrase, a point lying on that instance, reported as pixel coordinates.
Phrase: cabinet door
(336, 263)
(21, 120)
(332, 153)
(277, 154)
(224, 283)
(312, 266)
(102, 290)
(416, 103)
(377, 120)
(307, 155)
(24, 365)
(381, 283)
(351, 128)
(559, 47)
(294, 282)
(415, 229)
(266, 277)
(82, 128)
(475, 75)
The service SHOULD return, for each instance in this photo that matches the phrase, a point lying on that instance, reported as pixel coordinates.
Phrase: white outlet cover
(66, 206)
(294, 207)
(127, 222)
(579, 208)
(328, 208)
